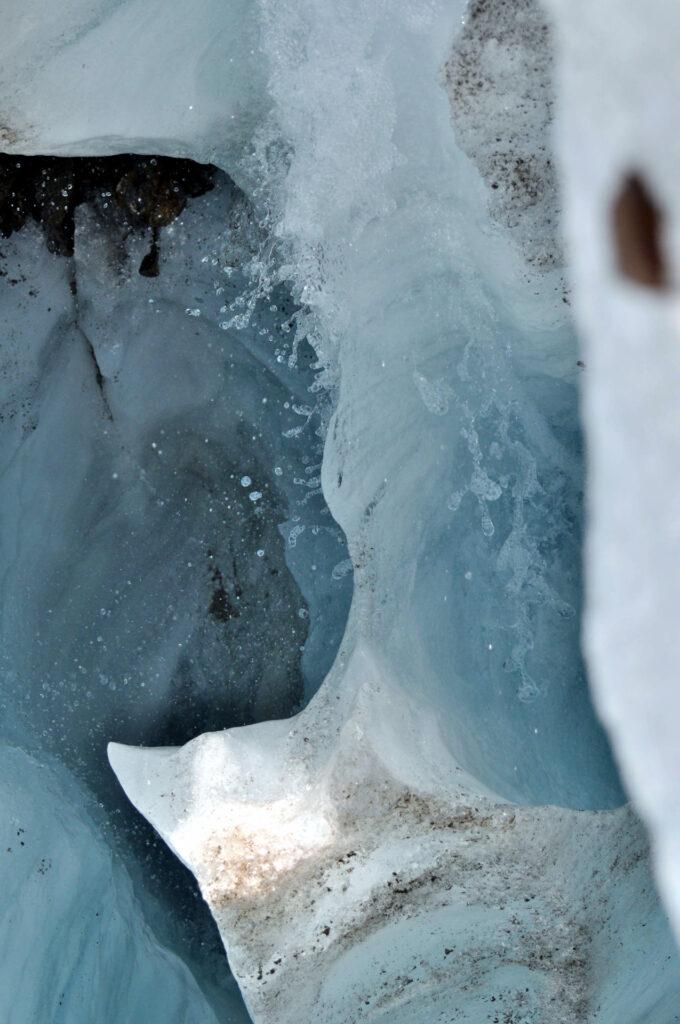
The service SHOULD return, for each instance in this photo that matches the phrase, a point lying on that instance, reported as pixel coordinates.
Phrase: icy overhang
(105, 77)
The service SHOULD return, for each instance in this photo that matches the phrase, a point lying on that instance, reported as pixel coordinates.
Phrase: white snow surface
(356, 873)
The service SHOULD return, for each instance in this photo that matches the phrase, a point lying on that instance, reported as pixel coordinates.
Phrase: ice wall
(160, 478)
(453, 461)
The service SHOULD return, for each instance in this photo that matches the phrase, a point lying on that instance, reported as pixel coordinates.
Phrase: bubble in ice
(342, 569)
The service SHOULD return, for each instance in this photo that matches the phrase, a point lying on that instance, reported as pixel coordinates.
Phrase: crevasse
(435, 834)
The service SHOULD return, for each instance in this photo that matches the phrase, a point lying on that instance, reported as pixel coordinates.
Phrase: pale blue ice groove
(73, 944)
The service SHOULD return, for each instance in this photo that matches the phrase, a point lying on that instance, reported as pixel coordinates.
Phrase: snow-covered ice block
(356, 874)
(619, 87)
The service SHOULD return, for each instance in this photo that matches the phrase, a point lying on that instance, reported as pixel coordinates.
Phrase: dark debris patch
(637, 226)
(150, 191)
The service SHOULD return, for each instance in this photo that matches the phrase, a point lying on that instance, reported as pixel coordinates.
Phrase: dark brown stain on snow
(637, 225)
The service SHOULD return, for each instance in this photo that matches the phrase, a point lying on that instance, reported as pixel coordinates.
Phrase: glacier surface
(436, 835)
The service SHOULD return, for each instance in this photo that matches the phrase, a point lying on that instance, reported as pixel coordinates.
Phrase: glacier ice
(69, 920)
(147, 76)
(436, 834)
(475, 375)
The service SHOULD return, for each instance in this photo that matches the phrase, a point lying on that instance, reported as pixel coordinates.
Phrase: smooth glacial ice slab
(73, 944)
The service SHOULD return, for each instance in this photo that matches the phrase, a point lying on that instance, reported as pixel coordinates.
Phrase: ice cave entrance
(207, 407)
(179, 569)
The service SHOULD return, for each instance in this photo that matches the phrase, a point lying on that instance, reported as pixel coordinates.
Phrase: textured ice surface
(453, 461)
(376, 882)
(620, 91)
(499, 79)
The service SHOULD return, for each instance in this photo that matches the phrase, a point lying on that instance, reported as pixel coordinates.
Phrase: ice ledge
(349, 884)
(148, 76)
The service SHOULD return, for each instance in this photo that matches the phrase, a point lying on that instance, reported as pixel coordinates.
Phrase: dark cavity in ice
(166, 552)
(148, 192)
